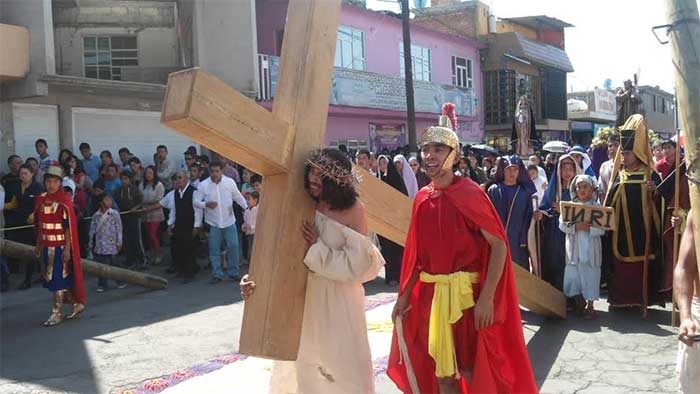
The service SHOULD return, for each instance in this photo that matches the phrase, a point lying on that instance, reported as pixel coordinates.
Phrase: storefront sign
(386, 135)
(364, 89)
(604, 101)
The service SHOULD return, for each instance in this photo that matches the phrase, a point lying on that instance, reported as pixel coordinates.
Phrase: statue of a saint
(523, 128)
(629, 102)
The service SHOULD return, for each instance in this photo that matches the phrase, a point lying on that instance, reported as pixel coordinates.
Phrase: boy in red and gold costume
(57, 246)
(458, 325)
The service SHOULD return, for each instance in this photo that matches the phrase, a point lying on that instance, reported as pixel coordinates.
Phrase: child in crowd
(583, 250)
(256, 183)
(250, 217)
(246, 187)
(106, 237)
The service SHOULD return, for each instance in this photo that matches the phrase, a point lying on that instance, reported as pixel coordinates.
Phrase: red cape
(66, 200)
(502, 364)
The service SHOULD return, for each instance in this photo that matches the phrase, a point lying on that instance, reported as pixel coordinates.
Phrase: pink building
(368, 104)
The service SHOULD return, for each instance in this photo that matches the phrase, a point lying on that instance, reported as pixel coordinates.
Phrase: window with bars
(350, 48)
(104, 56)
(462, 72)
(499, 97)
(420, 62)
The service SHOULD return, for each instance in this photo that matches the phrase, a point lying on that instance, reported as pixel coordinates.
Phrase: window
(499, 97)
(420, 62)
(653, 102)
(104, 56)
(352, 145)
(663, 105)
(350, 48)
(462, 72)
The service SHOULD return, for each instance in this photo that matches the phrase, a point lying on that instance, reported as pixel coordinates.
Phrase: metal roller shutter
(139, 131)
(31, 122)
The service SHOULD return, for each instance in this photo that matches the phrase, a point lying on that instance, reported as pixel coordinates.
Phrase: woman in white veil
(409, 178)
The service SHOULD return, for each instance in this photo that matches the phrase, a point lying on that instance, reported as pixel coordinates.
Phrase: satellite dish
(608, 84)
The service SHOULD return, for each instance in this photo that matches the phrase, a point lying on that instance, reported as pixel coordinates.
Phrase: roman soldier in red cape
(57, 247)
(457, 318)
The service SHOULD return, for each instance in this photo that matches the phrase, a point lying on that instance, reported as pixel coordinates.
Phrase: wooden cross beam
(276, 145)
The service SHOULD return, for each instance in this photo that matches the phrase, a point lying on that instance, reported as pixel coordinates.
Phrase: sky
(611, 38)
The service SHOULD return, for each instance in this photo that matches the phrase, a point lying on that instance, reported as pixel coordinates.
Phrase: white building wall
(157, 47)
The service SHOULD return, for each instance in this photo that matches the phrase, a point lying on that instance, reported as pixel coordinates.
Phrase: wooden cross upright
(276, 145)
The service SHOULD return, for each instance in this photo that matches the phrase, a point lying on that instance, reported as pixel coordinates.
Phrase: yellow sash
(453, 294)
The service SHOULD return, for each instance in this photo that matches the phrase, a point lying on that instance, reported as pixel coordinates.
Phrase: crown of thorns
(332, 169)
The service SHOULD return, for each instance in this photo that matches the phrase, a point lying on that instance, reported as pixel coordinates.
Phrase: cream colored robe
(334, 354)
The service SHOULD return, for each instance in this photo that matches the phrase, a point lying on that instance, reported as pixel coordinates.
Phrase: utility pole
(684, 35)
(408, 67)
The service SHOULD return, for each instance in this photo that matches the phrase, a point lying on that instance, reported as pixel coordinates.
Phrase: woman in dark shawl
(392, 252)
(510, 192)
(553, 239)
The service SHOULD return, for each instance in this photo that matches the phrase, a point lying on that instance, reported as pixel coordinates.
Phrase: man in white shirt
(606, 167)
(217, 194)
(184, 221)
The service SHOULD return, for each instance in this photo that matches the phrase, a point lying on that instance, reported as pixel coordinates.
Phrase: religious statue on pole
(524, 131)
(629, 102)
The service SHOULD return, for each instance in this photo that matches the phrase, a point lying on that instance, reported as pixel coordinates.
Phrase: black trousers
(184, 251)
(393, 254)
(132, 240)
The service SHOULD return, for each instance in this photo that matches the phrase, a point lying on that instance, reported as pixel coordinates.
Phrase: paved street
(131, 335)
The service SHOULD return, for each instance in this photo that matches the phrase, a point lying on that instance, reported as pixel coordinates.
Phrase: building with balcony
(368, 96)
(524, 56)
(659, 110)
(590, 111)
(97, 69)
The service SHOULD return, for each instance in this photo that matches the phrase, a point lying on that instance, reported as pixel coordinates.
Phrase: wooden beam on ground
(273, 314)
(537, 295)
(25, 254)
(208, 111)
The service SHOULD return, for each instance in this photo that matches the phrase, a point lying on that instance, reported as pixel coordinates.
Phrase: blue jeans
(216, 237)
(107, 259)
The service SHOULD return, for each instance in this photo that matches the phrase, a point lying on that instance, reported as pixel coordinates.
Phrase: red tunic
(52, 236)
(445, 237)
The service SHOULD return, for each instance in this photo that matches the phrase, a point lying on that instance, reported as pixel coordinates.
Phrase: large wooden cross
(276, 145)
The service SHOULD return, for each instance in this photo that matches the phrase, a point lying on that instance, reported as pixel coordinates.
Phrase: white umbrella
(556, 146)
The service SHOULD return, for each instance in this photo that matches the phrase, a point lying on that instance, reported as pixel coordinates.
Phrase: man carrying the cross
(334, 354)
(457, 317)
